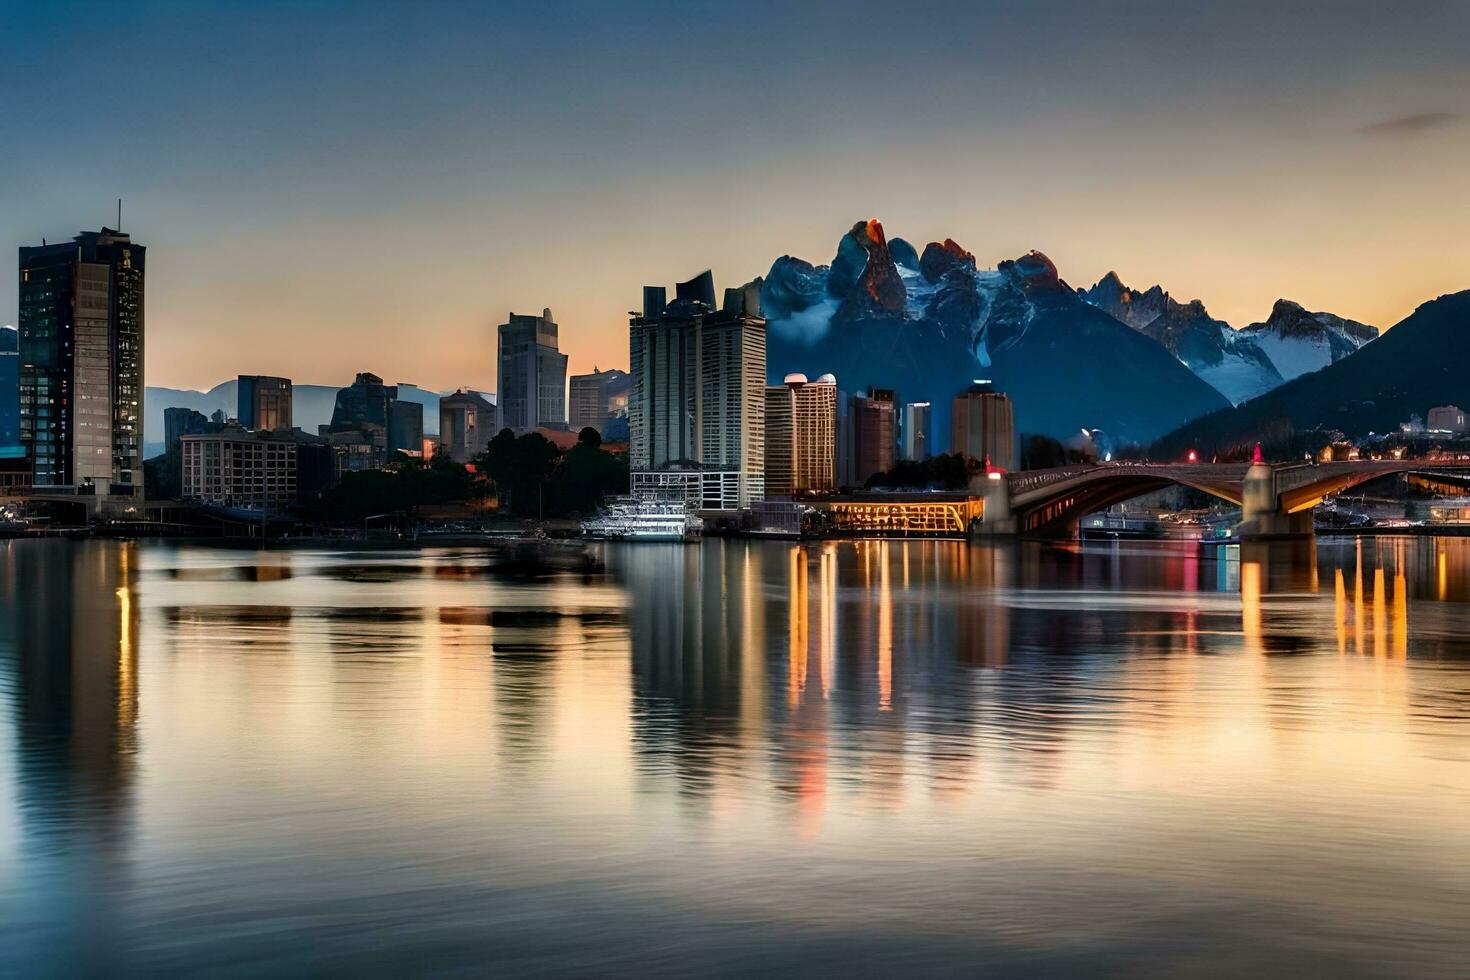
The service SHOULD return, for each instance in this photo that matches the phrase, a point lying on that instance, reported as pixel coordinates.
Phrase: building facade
(1446, 418)
(983, 427)
(699, 393)
(370, 423)
(801, 436)
(532, 384)
(466, 425)
(264, 402)
(239, 468)
(9, 389)
(872, 419)
(917, 435)
(81, 363)
(595, 398)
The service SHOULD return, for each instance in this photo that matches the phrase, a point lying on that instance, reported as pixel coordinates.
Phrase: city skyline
(1263, 168)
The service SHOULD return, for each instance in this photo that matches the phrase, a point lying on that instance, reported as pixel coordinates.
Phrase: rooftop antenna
(119, 214)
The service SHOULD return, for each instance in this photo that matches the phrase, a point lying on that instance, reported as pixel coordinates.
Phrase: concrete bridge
(1276, 500)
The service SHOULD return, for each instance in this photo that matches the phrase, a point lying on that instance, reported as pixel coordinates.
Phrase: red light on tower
(1193, 457)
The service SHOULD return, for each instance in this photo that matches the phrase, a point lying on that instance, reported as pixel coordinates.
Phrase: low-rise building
(265, 471)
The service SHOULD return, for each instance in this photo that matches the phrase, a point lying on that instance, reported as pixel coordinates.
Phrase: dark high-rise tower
(532, 374)
(264, 402)
(81, 363)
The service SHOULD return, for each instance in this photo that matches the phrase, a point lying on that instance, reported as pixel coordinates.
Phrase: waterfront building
(466, 425)
(781, 439)
(917, 431)
(264, 402)
(801, 436)
(1447, 418)
(696, 414)
(598, 397)
(268, 471)
(983, 427)
(81, 363)
(532, 381)
(873, 433)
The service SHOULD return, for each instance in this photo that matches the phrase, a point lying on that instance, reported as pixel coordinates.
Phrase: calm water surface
(840, 759)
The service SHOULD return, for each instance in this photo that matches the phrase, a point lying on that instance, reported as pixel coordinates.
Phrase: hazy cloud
(1409, 125)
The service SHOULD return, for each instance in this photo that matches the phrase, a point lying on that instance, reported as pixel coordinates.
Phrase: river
(837, 759)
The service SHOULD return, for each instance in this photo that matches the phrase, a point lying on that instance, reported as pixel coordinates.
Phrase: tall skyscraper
(696, 417)
(594, 398)
(264, 402)
(801, 436)
(983, 427)
(781, 439)
(872, 421)
(81, 363)
(917, 431)
(466, 425)
(532, 388)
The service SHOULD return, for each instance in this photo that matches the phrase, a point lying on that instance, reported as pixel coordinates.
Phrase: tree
(520, 468)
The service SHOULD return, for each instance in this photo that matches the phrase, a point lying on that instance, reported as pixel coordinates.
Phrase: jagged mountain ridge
(1241, 364)
(1417, 364)
(928, 324)
(1232, 363)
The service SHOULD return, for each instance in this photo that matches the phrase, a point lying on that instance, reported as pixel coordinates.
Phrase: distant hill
(311, 406)
(1422, 362)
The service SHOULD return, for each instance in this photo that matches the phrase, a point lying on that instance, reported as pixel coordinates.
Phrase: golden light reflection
(885, 632)
(796, 626)
(1250, 605)
(1358, 608)
(827, 617)
(1340, 610)
(1380, 631)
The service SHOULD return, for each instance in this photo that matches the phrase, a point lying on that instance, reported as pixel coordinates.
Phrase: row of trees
(528, 474)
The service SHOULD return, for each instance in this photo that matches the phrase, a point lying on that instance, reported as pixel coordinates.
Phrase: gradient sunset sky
(327, 187)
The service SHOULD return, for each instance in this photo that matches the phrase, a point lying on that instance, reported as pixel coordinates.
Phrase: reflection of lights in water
(1340, 611)
(1358, 600)
(827, 617)
(797, 625)
(1442, 572)
(885, 633)
(1380, 632)
(1250, 604)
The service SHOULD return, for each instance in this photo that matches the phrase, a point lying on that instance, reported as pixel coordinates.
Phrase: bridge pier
(1262, 515)
(996, 520)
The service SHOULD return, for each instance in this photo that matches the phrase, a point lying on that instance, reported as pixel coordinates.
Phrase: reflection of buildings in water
(69, 636)
(698, 654)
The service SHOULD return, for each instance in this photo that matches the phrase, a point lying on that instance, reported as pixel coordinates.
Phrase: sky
(332, 187)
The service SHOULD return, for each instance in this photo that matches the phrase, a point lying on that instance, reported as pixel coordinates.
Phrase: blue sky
(332, 187)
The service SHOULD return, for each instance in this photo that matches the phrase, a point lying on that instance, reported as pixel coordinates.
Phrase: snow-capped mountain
(928, 324)
(1240, 364)
(1230, 361)
(1299, 341)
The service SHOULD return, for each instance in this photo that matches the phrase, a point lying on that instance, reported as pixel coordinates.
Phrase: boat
(652, 517)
